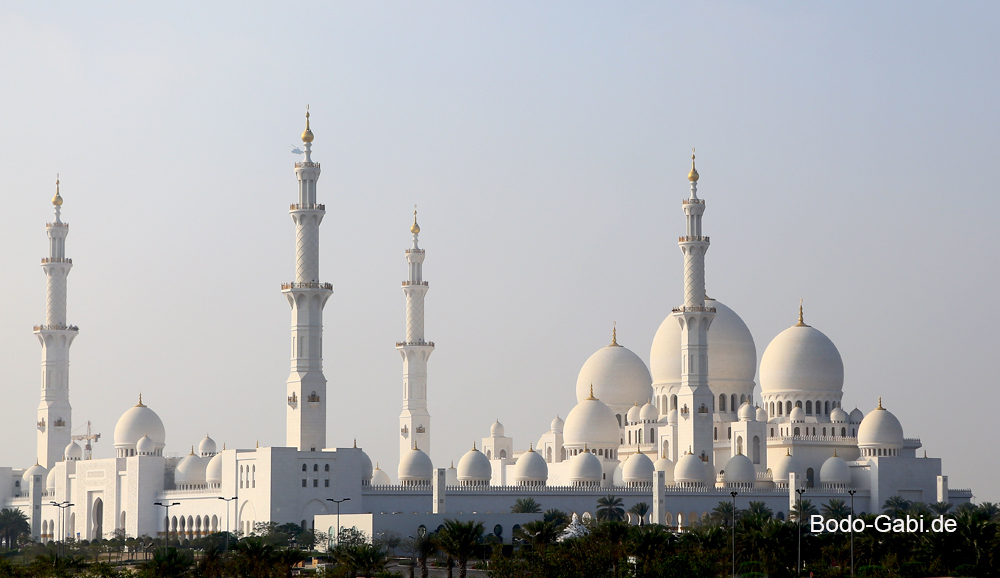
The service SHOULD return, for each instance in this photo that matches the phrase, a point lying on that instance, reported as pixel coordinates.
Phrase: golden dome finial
(415, 445)
(192, 451)
(788, 451)
(586, 447)
(415, 228)
(531, 447)
(614, 334)
(880, 403)
(592, 392)
(801, 322)
(57, 200)
(223, 446)
(355, 443)
(834, 452)
(693, 175)
(140, 404)
(258, 444)
(473, 445)
(925, 453)
(307, 135)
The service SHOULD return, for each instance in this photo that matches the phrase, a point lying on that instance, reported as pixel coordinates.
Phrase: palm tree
(459, 539)
(896, 506)
(723, 514)
(557, 517)
(807, 510)
(525, 506)
(253, 558)
(424, 546)
(759, 509)
(641, 510)
(166, 563)
(610, 508)
(13, 523)
(286, 558)
(538, 532)
(940, 508)
(212, 563)
(836, 509)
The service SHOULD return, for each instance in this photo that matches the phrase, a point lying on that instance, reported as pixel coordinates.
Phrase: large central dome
(732, 356)
(801, 358)
(620, 379)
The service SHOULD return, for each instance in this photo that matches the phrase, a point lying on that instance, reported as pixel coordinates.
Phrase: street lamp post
(166, 525)
(798, 522)
(852, 492)
(62, 522)
(338, 502)
(733, 494)
(227, 500)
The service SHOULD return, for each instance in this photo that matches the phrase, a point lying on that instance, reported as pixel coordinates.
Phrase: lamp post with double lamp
(166, 524)
(338, 502)
(227, 500)
(733, 494)
(852, 492)
(798, 522)
(62, 522)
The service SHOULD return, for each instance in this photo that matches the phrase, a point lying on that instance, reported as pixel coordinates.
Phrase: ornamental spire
(614, 334)
(801, 322)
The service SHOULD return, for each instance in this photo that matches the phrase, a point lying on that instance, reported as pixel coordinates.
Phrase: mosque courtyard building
(679, 435)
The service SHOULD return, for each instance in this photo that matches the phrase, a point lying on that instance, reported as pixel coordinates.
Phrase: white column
(659, 497)
(440, 482)
(305, 417)
(694, 398)
(415, 420)
(942, 488)
(54, 422)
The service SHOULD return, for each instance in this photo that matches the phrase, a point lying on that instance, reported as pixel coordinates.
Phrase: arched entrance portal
(98, 520)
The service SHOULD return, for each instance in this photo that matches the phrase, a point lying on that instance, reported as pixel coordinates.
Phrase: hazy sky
(848, 154)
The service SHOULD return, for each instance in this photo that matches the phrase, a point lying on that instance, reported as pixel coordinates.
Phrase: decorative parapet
(693, 201)
(56, 260)
(414, 343)
(307, 285)
(408, 283)
(306, 165)
(56, 327)
(307, 207)
(687, 238)
(62, 225)
(685, 309)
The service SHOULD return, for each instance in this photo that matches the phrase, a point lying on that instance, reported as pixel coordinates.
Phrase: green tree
(941, 508)
(459, 540)
(759, 509)
(557, 517)
(13, 523)
(166, 563)
(896, 506)
(525, 506)
(836, 509)
(609, 508)
(724, 514)
(424, 547)
(807, 509)
(538, 532)
(253, 558)
(641, 510)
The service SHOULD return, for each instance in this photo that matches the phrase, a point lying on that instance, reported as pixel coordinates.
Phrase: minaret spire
(305, 416)
(56, 336)
(694, 397)
(415, 420)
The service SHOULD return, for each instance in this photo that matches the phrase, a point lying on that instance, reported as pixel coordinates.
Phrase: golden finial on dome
(307, 135)
(140, 401)
(376, 465)
(693, 175)
(415, 445)
(614, 334)
(880, 403)
(592, 392)
(473, 445)
(192, 451)
(57, 200)
(788, 451)
(586, 447)
(414, 228)
(355, 443)
(834, 452)
(925, 453)
(223, 446)
(531, 447)
(258, 444)
(801, 322)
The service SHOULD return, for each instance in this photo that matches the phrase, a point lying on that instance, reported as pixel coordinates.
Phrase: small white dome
(531, 467)
(145, 446)
(139, 421)
(690, 470)
(857, 415)
(733, 354)
(191, 471)
(638, 468)
(783, 465)
(672, 417)
(880, 428)
(213, 472)
(73, 452)
(665, 465)
(618, 376)
(557, 425)
(591, 422)
(649, 413)
(839, 416)
(474, 467)
(496, 430)
(207, 447)
(366, 465)
(380, 478)
(801, 358)
(633, 414)
(35, 470)
(415, 467)
(835, 471)
(585, 467)
(797, 414)
(739, 470)
(747, 412)
(50, 480)
(761, 414)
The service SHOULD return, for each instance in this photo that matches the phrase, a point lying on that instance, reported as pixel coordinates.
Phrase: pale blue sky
(847, 151)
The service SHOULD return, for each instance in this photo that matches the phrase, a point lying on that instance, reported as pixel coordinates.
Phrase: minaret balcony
(62, 225)
(56, 327)
(408, 283)
(420, 343)
(307, 285)
(56, 260)
(306, 207)
(700, 308)
(688, 238)
(694, 201)
(306, 165)
(408, 251)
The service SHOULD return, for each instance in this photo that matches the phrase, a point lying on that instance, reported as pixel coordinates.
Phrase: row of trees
(763, 546)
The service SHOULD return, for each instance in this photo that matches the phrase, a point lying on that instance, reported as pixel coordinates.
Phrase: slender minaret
(305, 424)
(415, 421)
(694, 398)
(54, 411)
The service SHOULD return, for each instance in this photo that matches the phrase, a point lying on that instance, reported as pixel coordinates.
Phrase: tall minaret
(415, 422)
(694, 398)
(305, 422)
(54, 412)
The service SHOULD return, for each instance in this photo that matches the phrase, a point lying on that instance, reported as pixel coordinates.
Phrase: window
(304, 467)
(716, 434)
(810, 478)
(315, 483)
(797, 431)
(826, 408)
(843, 432)
(809, 408)
(303, 482)
(732, 406)
(788, 407)
(772, 432)
(315, 467)
(729, 433)
(326, 483)
(722, 402)
(824, 432)
(326, 468)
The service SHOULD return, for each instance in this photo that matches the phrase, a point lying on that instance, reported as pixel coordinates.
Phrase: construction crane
(87, 449)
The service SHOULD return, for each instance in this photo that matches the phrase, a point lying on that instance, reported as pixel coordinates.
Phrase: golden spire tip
(307, 135)
(614, 334)
(591, 392)
(801, 322)
(415, 228)
(880, 403)
(693, 175)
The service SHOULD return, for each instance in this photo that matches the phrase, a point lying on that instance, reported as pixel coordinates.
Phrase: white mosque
(681, 435)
